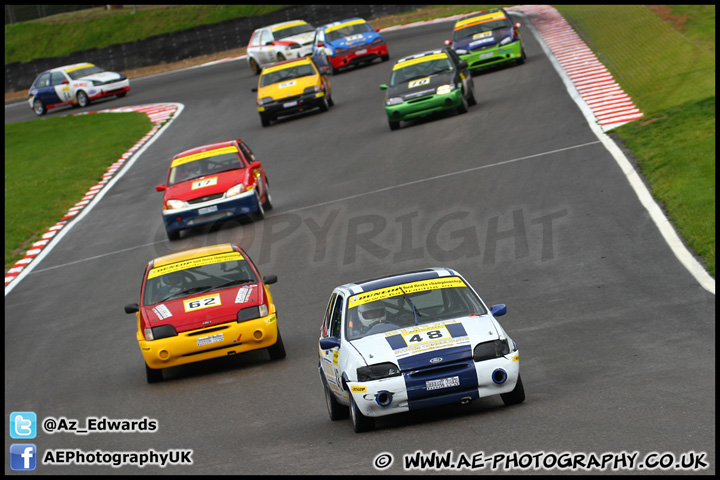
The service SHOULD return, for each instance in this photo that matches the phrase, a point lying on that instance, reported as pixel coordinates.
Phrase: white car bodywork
(434, 359)
(268, 45)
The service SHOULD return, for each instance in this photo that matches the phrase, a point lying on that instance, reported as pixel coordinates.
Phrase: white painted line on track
(546, 18)
(162, 116)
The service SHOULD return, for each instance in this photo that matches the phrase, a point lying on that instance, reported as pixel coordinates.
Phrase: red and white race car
(212, 183)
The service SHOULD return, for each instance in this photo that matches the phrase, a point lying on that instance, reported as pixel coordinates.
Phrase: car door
(44, 90)
(61, 84)
(330, 363)
(267, 50)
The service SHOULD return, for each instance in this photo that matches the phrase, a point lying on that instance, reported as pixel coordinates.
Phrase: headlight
(313, 89)
(163, 331)
(490, 350)
(376, 372)
(394, 101)
(174, 204)
(377, 41)
(443, 89)
(265, 100)
(235, 190)
(252, 313)
(505, 41)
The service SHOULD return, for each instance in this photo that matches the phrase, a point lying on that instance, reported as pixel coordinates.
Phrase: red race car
(212, 183)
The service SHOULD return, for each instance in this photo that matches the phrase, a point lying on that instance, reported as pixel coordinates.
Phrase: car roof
(69, 67)
(397, 279)
(340, 22)
(286, 63)
(479, 14)
(205, 148)
(420, 55)
(285, 24)
(194, 253)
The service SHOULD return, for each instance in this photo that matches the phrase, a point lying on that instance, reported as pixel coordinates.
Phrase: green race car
(487, 38)
(427, 83)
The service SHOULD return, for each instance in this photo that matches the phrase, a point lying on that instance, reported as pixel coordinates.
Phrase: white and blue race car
(410, 341)
(76, 85)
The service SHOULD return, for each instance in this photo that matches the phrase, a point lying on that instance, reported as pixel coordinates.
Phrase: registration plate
(211, 339)
(361, 52)
(486, 55)
(290, 104)
(442, 383)
(210, 209)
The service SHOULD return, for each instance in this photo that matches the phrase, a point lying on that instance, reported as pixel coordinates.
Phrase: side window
(336, 317)
(255, 39)
(43, 81)
(266, 37)
(57, 78)
(247, 153)
(326, 322)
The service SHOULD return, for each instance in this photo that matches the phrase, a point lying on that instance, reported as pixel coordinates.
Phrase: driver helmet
(370, 313)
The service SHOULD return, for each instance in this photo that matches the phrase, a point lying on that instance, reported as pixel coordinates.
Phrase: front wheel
(393, 125)
(516, 396)
(277, 351)
(361, 423)
(153, 375)
(336, 410)
(82, 99)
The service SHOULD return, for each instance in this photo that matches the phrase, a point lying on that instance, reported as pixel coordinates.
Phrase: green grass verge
(51, 163)
(670, 74)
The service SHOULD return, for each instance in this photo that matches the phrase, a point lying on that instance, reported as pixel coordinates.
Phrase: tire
(260, 213)
(471, 99)
(324, 107)
(523, 56)
(331, 102)
(336, 410)
(153, 375)
(254, 67)
(277, 351)
(264, 121)
(268, 198)
(39, 107)
(516, 396)
(121, 95)
(463, 108)
(173, 235)
(280, 57)
(393, 125)
(361, 423)
(82, 99)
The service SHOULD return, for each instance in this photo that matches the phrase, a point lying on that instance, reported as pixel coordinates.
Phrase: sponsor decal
(198, 156)
(414, 61)
(408, 288)
(344, 24)
(162, 311)
(243, 294)
(288, 25)
(417, 83)
(205, 182)
(194, 262)
(199, 303)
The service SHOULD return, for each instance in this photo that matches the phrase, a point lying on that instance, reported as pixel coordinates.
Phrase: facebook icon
(23, 456)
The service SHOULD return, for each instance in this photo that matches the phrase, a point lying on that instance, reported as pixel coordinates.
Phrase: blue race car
(347, 42)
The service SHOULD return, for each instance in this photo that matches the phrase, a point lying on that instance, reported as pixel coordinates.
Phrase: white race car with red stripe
(77, 84)
(411, 341)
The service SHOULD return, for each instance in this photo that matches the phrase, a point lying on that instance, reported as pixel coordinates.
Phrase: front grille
(206, 198)
(207, 330)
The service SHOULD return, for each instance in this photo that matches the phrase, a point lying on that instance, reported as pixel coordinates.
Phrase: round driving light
(258, 334)
(499, 376)
(163, 354)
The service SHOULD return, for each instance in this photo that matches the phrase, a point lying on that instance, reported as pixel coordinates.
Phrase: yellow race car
(204, 303)
(290, 87)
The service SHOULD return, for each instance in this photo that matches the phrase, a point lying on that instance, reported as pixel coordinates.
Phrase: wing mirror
(269, 279)
(329, 342)
(132, 308)
(160, 188)
(498, 310)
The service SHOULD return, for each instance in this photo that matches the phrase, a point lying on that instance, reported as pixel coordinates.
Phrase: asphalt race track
(616, 338)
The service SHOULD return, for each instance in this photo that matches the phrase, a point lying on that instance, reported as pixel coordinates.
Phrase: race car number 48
(442, 383)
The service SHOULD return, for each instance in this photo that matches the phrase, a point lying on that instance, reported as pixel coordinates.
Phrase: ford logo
(436, 360)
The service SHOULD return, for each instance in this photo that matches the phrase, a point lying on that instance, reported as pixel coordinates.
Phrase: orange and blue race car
(75, 85)
(486, 39)
(204, 303)
(347, 42)
(212, 183)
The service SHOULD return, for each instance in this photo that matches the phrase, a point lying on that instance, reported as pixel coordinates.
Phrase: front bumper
(301, 103)
(212, 211)
(424, 388)
(478, 59)
(365, 54)
(419, 107)
(226, 339)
